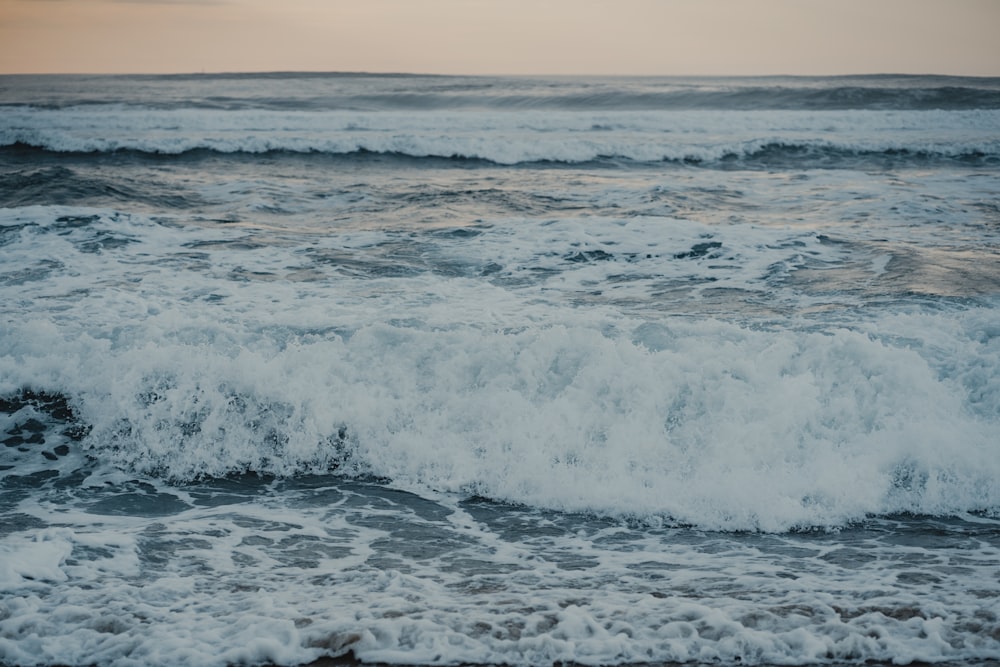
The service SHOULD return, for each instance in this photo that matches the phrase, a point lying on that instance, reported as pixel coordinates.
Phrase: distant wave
(950, 98)
(528, 137)
(817, 154)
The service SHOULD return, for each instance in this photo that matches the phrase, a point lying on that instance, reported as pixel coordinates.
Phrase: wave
(700, 423)
(505, 138)
(763, 153)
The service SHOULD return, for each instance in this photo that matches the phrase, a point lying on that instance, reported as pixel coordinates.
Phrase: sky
(600, 37)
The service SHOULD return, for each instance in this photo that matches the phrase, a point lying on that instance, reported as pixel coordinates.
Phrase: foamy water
(607, 372)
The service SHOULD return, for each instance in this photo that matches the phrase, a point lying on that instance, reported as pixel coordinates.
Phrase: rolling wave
(816, 154)
(528, 137)
(703, 423)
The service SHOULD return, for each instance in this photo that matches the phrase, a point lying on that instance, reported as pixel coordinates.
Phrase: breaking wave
(703, 423)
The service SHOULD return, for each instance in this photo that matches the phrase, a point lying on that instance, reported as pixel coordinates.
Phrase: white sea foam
(29, 559)
(286, 582)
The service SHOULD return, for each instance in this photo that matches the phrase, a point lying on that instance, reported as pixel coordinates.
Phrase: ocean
(432, 370)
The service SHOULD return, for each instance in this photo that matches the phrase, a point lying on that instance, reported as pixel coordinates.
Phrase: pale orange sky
(642, 37)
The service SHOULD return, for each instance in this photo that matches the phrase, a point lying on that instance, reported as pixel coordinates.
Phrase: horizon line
(364, 73)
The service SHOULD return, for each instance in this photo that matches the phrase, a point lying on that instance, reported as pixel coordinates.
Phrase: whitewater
(431, 370)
